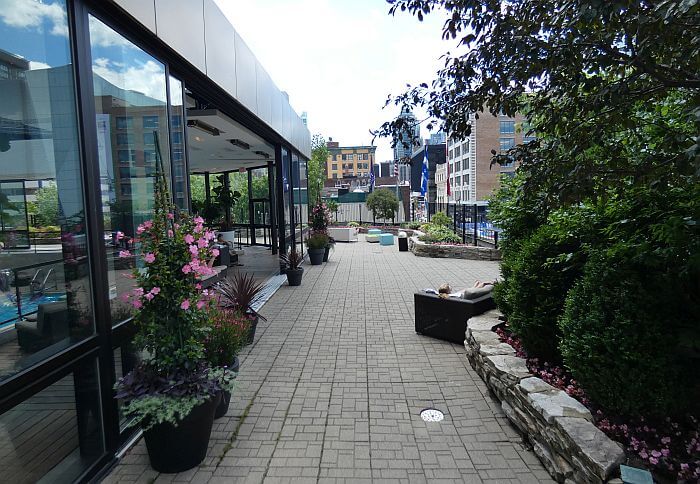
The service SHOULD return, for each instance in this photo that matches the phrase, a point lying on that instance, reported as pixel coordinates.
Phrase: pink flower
(171, 216)
(653, 460)
(666, 440)
(137, 304)
(202, 243)
(148, 224)
(155, 291)
(125, 297)
(215, 252)
(189, 239)
(194, 250)
(124, 253)
(200, 304)
(149, 258)
(138, 291)
(198, 286)
(198, 228)
(140, 229)
(185, 305)
(120, 235)
(198, 220)
(209, 235)
(170, 233)
(187, 268)
(149, 296)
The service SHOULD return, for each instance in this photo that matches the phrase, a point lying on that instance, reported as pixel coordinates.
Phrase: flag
(447, 161)
(424, 174)
(371, 177)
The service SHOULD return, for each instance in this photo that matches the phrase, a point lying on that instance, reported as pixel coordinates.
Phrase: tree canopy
(316, 167)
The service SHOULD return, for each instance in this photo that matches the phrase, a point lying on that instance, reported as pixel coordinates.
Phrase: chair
(446, 318)
(386, 239)
(51, 325)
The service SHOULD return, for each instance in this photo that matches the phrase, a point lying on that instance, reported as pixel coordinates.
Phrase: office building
(405, 143)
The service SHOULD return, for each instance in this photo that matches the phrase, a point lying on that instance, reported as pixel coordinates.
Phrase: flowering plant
(170, 316)
(228, 334)
(320, 217)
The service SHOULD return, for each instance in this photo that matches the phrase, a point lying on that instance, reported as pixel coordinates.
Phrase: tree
(47, 205)
(383, 203)
(316, 168)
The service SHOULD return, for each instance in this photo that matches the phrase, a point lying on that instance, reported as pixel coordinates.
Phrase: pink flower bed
(670, 449)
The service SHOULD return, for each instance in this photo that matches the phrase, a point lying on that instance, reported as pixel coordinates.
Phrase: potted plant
(293, 269)
(238, 294)
(173, 392)
(225, 200)
(317, 243)
(228, 333)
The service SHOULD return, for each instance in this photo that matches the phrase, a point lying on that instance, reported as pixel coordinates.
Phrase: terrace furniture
(51, 326)
(374, 232)
(446, 318)
(372, 238)
(343, 234)
(386, 239)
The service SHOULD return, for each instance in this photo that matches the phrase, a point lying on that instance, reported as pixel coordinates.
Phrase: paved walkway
(332, 388)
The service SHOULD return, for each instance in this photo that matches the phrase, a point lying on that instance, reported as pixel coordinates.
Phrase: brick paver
(332, 388)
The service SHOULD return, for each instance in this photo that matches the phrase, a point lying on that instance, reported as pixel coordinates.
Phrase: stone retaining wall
(421, 249)
(558, 426)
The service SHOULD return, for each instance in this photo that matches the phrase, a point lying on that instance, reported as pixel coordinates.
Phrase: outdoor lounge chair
(50, 326)
(446, 318)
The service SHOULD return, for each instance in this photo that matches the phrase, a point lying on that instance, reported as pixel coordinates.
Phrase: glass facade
(78, 162)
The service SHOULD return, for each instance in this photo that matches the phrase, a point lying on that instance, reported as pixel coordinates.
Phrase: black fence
(470, 222)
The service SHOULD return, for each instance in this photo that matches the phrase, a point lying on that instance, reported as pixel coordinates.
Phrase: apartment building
(349, 161)
(472, 178)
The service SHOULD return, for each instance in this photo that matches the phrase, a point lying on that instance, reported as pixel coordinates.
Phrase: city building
(406, 141)
(97, 97)
(441, 183)
(472, 178)
(436, 157)
(348, 161)
(438, 138)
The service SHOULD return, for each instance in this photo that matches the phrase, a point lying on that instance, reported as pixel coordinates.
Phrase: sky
(339, 59)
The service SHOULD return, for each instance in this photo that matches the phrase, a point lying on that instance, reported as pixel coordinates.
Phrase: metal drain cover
(432, 415)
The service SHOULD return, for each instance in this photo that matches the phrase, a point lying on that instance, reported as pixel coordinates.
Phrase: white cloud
(32, 14)
(147, 78)
(37, 65)
(339, 60)
(103, 36)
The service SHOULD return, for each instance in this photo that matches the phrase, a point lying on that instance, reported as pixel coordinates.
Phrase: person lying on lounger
(480, 288)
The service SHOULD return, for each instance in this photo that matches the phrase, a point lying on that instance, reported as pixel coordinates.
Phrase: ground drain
(432, 415)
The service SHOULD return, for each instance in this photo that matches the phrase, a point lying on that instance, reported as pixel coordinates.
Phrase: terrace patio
(332, 388)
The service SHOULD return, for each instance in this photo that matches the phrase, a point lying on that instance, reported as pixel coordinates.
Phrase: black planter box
(446, 318)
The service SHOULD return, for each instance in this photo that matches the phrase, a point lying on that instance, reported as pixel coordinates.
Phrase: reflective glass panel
(177, 136)
(45, 300)
(56, 434)
(130, 101)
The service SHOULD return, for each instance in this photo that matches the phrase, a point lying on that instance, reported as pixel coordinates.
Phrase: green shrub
(353, 224)
(623, 329)
(441, 219)
(537, 274)
(317, 241)
(439, 234)
(414, 225)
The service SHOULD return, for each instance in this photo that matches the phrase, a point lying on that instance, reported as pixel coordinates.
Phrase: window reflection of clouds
(23, 14)
(131, 71)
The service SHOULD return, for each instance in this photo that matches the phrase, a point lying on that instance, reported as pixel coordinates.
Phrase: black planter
(253, 325)
(326, 253)
(294, 276)
(222, 408)
(176, 449)
(316, 256)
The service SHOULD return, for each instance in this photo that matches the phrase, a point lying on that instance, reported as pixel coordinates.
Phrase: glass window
(507, 127)
(149, 139)
(458, 166)
(45, 299)
(465, 146)
(128, 84)
(126, 156)
(334, 166)
(124, 122)
(451, 154)
(343, 157)
(177, 135)
(457, 151)
(150, 122)
(54, 435)
(506, 143)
